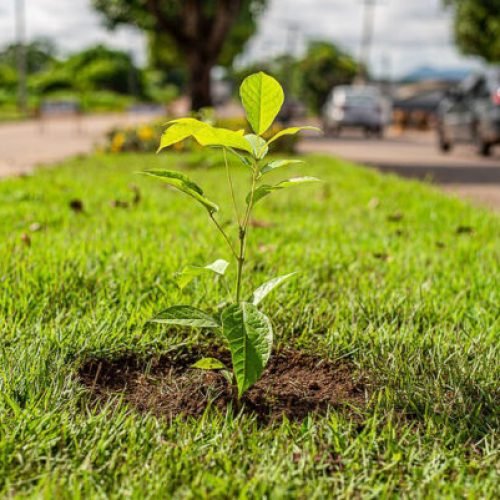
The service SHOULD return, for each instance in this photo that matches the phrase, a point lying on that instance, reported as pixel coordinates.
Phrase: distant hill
(433, 73)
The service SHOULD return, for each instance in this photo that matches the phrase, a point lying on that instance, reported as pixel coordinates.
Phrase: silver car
(358, 106)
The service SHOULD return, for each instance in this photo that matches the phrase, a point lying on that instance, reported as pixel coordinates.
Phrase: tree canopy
(323, 67)
(477, 27)
(197, 33)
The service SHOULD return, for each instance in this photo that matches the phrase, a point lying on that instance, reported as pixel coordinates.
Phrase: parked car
(470, 113)
(360, 106)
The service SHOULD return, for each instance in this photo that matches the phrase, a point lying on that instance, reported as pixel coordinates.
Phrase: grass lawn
(396, 279)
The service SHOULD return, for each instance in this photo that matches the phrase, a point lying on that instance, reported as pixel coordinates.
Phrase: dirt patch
(294, 384)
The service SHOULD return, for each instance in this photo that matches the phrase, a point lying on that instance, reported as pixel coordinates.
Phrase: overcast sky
(407, 34)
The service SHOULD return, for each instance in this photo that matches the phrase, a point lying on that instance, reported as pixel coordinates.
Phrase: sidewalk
(28, 144)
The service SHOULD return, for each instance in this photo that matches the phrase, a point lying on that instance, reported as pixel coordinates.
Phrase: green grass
(411, 303)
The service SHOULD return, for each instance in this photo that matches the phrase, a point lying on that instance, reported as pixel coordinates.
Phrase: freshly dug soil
(294, 384)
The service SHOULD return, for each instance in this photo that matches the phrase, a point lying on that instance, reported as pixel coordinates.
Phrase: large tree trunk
(200, 67)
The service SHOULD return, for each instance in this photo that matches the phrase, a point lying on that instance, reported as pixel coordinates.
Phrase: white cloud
(408, 33)
(72, 24)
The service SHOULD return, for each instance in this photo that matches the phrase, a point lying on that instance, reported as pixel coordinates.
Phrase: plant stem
(241, 261)
(234, 394)
(243, 231)
(231, 187)
(224, 234)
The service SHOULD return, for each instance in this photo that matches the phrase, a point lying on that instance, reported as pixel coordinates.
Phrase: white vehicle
(359, 106)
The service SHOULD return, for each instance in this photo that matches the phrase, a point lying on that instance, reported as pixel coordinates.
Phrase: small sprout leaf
(184, 184)
(262, 98)
(269, 167)
(250, 336)
(259, 146)
(291, 131)
(190, 272)
(209, 364)
(186, 316)
(265, 189)
(266, 288)
(218, 267)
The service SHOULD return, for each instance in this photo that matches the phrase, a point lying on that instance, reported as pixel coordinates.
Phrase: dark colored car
(470, 113)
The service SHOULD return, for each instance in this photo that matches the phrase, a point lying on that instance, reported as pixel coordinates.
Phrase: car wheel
(483, 147)
(444, 145)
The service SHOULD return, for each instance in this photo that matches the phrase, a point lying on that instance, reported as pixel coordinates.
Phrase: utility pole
(367, 38)
(20, 13)
(292, 35)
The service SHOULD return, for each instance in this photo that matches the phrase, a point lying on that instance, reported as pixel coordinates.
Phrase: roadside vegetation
(399, 285)
(96, 79)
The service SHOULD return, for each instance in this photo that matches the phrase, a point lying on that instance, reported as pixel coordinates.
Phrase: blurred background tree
(193, 34)
(324, 66)
(40, 55)
(477, 27)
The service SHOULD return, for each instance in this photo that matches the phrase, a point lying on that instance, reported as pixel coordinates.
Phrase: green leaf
(259, 146)
(212, 136)
(209, 364)
(184, 184)
(190, 272)
(278, 164)
(291, 131)
(186, 316)
(250, 336)
(204, 133)
(265, 189)
(266, 288)
(262, 98)
(179, 130)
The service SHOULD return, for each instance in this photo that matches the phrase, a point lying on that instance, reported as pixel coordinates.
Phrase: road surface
(414, 154)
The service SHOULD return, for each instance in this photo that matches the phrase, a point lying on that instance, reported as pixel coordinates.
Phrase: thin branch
(230, 181)
(224, 234)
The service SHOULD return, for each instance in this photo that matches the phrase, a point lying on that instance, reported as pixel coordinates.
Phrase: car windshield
(360, 100)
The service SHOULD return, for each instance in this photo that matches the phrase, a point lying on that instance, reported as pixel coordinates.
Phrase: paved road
(414, 154)
(25, 145)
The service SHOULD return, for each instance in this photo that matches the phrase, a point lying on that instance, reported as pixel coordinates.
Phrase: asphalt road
(415, 155)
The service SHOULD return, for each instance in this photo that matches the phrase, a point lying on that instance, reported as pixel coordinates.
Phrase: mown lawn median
(398, 291)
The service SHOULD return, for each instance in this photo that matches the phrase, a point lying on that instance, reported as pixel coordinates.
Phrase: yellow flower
(118, 142)
(145, 133)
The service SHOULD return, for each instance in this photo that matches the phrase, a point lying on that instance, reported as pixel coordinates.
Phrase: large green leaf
(213, 136)
(186, 316)
(184, 184)
(265, 189)
(266, 288)
(269, 167)
(291, 131)
(190, 272)
(179, 130)
(204, 133)
(262, 98)
(250, 336)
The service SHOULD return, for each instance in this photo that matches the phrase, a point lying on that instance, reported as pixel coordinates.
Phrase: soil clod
(294, 384)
